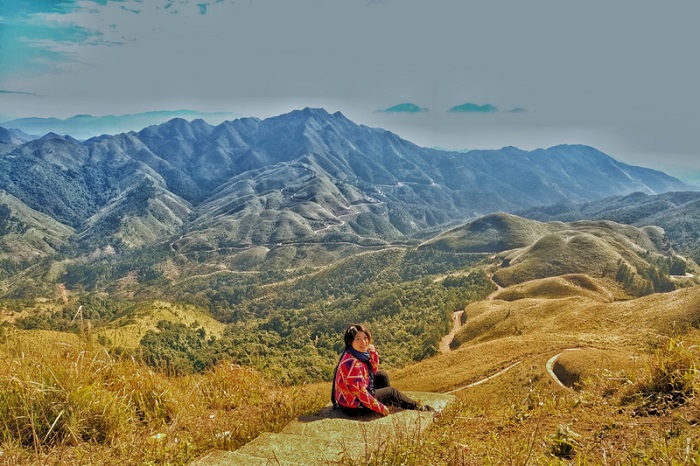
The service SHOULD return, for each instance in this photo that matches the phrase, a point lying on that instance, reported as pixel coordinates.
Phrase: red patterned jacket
(351, 382)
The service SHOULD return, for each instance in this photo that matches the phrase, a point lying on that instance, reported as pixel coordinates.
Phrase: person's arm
(357, 385)
(373, 358)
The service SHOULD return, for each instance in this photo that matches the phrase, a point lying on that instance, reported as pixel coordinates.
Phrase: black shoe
(428, 408)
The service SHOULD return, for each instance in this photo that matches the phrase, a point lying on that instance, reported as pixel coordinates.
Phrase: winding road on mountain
(447, 339)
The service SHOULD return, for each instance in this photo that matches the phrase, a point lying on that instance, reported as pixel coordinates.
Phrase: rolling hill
(531, 250)
(677, 212)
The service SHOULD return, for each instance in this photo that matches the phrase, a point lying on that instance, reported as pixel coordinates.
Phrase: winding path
(447, 339)
(498, 289)
(479, 382)
(550, 367)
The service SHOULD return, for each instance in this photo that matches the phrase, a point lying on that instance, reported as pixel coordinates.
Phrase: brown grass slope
(633, 364)
(580, 320)
(492, 233)
(561, 318)
(560, 287)
(70, 402)
(533, 250)
(593, 248)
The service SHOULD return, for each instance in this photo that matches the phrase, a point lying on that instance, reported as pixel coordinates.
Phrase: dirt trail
(486, 379)
(550, 367)
(498, 289)
(447, 339)
(457, 324)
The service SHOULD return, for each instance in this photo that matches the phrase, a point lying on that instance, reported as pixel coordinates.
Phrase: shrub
(564, 443)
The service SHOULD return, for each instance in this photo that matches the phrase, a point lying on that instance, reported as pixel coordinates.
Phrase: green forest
(289, 326)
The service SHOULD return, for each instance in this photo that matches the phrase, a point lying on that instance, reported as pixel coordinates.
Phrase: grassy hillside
(28, 342)
(561, 287)
(619, 357)
(128, 330)
(640, 259)
(71, 403)
(581, 319)
(676, 212)
(634, 369)
(492, 233)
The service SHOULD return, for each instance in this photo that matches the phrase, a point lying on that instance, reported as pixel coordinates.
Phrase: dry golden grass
(583, 321)
(559, 253)
(499, 333)
(37, 342)
(577, 367)
(77, 405)
(72, 403)
(561, 287)
(470, 364)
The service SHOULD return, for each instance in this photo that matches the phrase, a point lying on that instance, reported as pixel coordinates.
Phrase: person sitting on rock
(358, 386)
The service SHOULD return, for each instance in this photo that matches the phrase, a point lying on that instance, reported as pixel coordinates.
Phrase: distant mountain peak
(51, 135)
(85, 126)
(13, 136)
(319, 114)
(315, 111)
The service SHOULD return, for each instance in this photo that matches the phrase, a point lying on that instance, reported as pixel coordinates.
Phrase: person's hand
(371, 348)
(385, 412)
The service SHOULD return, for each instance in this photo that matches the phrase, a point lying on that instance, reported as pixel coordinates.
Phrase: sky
(621, 76)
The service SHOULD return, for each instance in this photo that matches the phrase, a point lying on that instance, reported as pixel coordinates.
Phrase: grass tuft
(672, 376)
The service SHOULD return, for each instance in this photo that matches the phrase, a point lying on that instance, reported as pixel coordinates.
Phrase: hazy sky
(619, 75)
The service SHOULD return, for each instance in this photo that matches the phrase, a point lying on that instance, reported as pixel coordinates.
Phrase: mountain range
(306, 176)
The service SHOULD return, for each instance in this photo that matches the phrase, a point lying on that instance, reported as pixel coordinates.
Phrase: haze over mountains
(303, 176)
(87, 126)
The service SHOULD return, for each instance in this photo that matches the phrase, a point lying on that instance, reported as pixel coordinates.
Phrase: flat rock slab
(330, 435)
(302, 449)
(332, 423)
(372, 431)
(234, 458)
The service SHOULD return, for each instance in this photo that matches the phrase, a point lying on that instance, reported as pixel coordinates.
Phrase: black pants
(386, 394)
